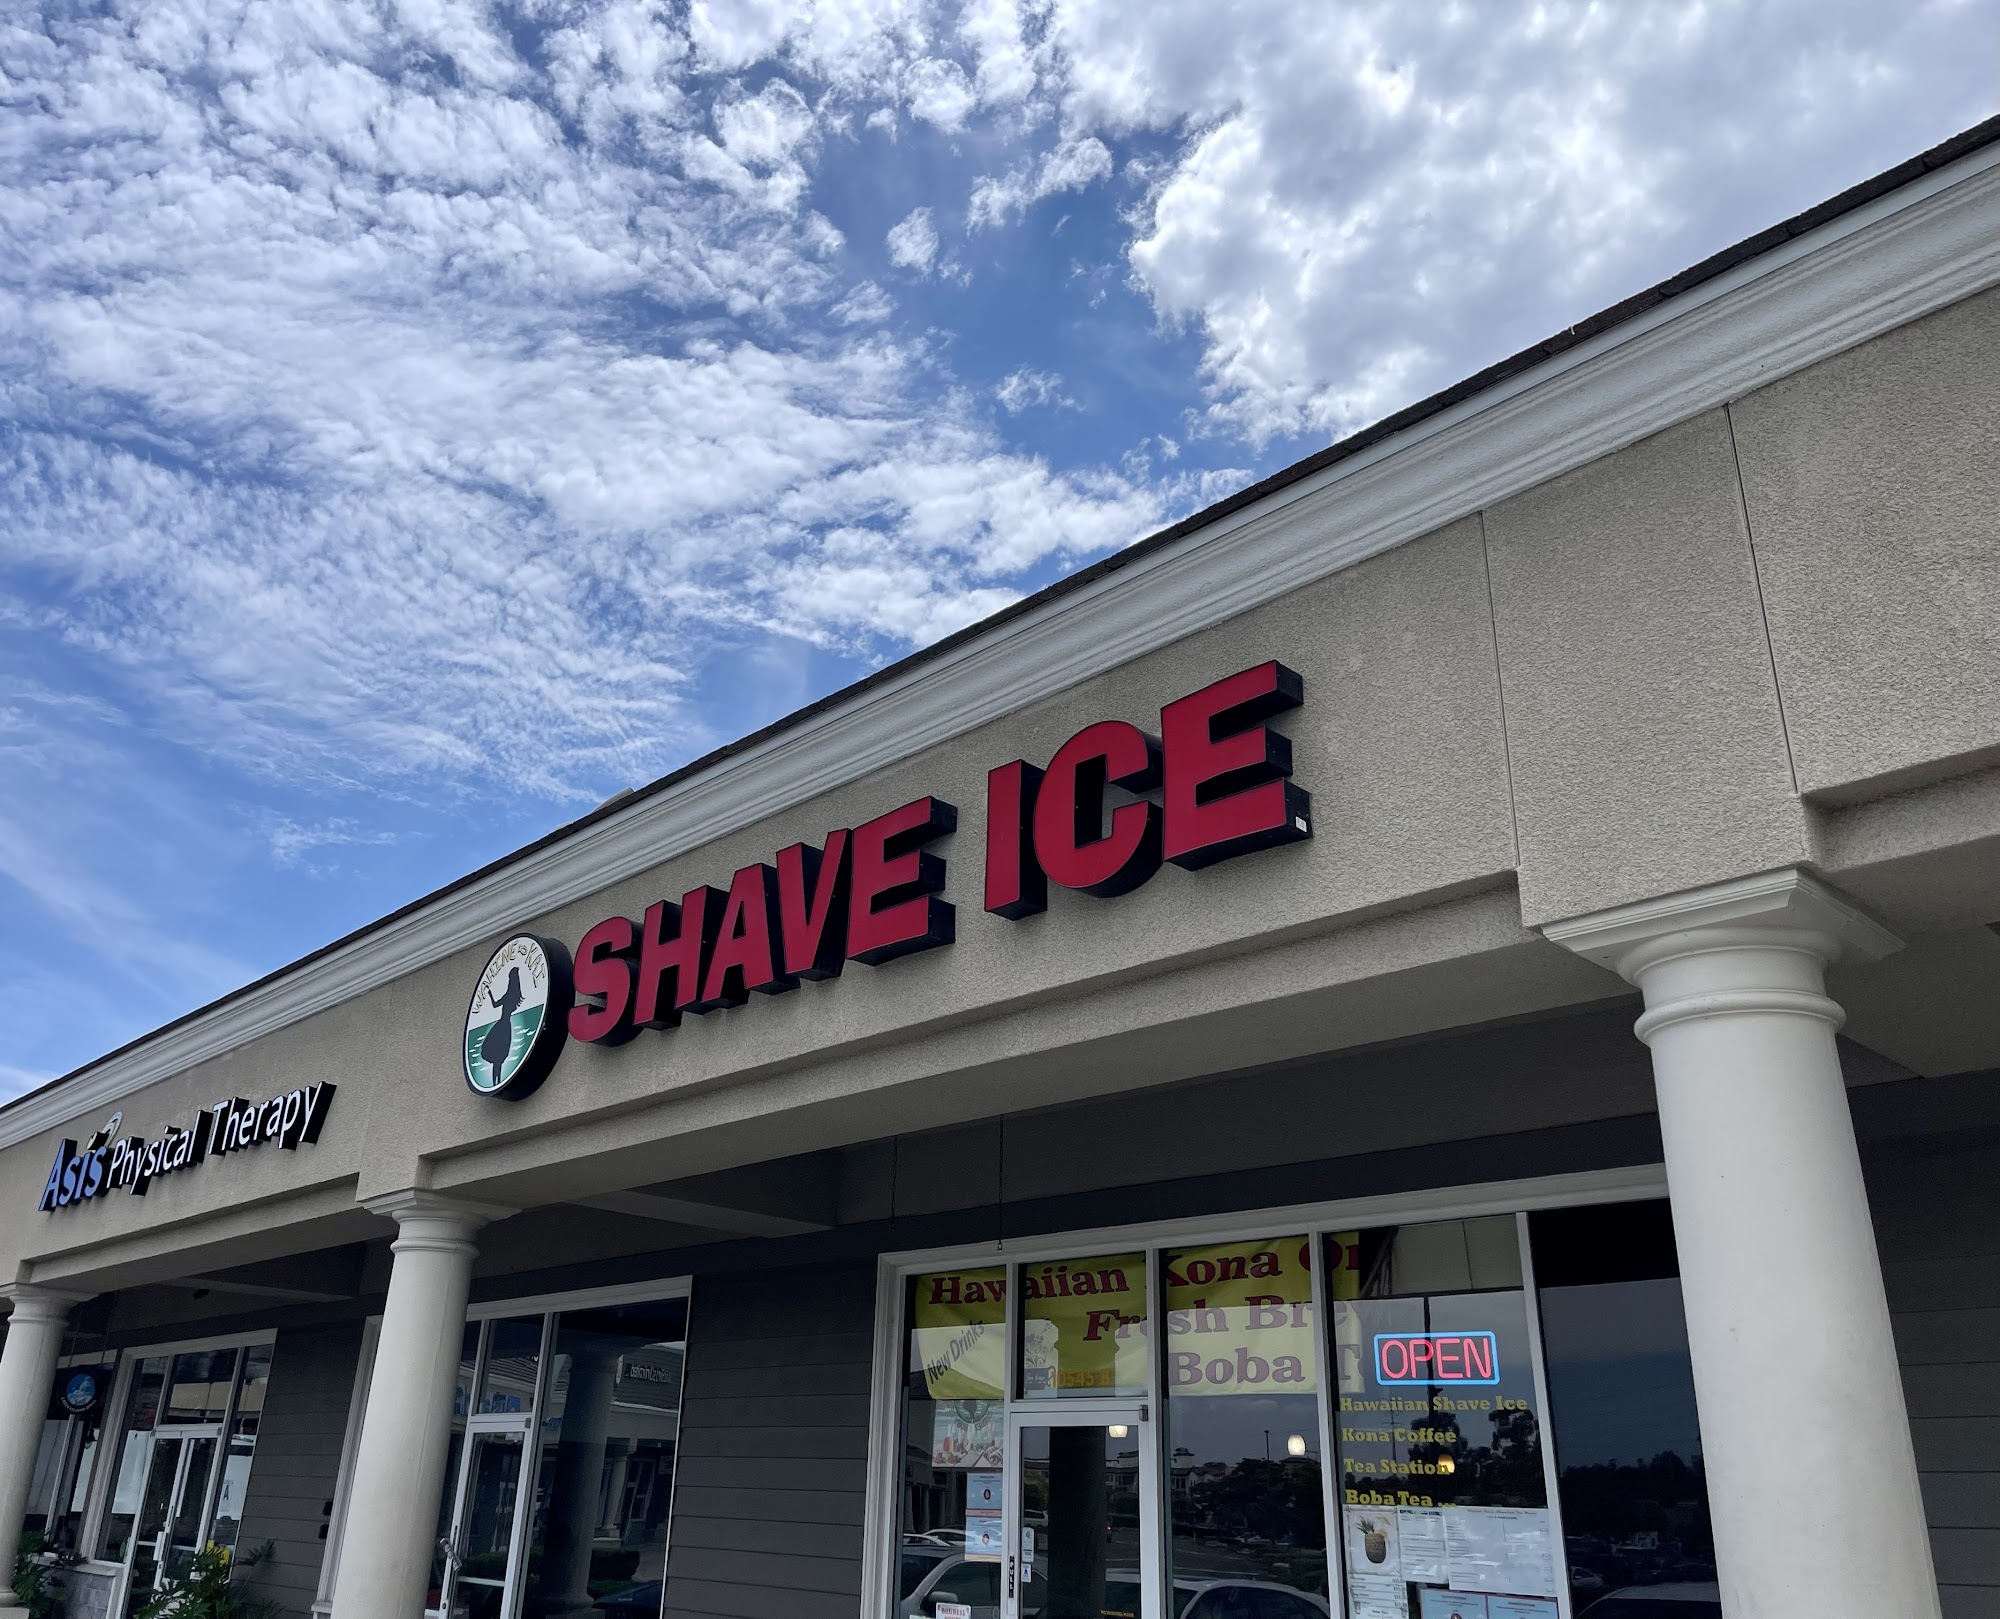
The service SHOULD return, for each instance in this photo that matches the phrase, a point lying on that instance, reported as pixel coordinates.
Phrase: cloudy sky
(422, 418)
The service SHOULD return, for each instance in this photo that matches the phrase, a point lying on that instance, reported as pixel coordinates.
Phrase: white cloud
(1024, 389)
(865, 305)
(1069, 167)
(19, 1081)
(1369, 200)
(913, 242)
(291, 842)
(325, 433)
(388, 397)
(939, 93)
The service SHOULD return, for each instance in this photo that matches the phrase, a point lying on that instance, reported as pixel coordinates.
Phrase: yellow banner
(1239, 1319)
(1083, 1326)
(958, 1333)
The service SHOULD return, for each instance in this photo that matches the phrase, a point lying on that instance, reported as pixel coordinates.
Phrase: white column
(392, 1514)
(35, 1330)
(1812, 1482)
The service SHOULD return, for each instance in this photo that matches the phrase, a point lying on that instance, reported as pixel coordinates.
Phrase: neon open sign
(1436, 1357)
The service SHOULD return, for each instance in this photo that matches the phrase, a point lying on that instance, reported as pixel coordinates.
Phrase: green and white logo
(518, 1018)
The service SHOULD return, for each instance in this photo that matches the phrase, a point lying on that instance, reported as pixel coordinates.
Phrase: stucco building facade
(1424, 1041)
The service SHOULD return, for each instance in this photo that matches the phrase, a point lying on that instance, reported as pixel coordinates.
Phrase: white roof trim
(1914, 250)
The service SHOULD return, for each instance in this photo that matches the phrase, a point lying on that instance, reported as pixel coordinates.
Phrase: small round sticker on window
(518, 1019)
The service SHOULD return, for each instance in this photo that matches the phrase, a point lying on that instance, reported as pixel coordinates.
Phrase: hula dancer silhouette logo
(518, 1018)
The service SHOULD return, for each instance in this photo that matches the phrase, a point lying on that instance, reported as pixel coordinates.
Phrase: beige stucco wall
(1596, 691)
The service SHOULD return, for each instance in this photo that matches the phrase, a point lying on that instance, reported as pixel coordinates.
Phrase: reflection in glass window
(243, 1426)
(198, 1390)
(513, 1361)
(1242, 1381)
(1621, 1400)
(1080, 1497)
(185, 1441)
(64, 1459)
(1438, 1428)
(461, 1407)
(954, 1424)
(142, 1410)
(1083, 1327)
(50, 1450)
(610, 1430)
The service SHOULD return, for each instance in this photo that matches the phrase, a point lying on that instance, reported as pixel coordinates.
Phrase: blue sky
(422, 419)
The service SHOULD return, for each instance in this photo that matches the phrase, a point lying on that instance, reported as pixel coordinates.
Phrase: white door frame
(1134, 1411)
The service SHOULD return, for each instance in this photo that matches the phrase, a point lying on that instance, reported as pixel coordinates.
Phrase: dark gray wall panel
(298, 1459)
(774, 1444)
(1940, 1247)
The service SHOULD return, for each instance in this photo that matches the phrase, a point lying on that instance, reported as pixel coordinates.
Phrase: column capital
(433, 1219)
(33, 1302)
(1787, 909)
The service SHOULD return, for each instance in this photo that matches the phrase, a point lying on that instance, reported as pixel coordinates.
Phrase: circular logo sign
(518, 1018)
(79, 1392)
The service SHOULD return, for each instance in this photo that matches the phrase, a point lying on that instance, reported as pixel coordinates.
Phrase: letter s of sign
(1228, 790)
(605, 971)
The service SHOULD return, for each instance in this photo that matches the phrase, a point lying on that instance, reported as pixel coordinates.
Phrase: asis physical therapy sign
(1215, 783)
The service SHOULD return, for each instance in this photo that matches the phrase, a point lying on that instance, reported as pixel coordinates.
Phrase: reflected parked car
(1247, 1599)
(976, 1585)
(1699, 1599)
(634, 1602)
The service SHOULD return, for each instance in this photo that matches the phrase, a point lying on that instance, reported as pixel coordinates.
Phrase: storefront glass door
(479, 1549)
(175, 1502)
(186, 1439)
(1081, 1522)
(564, 1432)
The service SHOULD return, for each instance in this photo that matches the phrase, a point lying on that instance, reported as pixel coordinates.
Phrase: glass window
(513, 1361)
(1438, 1428)
(67, 1527)
(971, 1584)
(198, 1391)
(1242, 1378)
(142, 1410)
(954, 1423)
(1621, 1400)
(176, 1435)
(1083, 1327)
(1080, 1499)
(243, 1428)
(50, 1451)
(468, 1364)
(609, 1434)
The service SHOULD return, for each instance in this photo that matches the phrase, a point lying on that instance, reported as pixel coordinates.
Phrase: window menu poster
(969, 1434)
(1504, 1551)
(1442, 1487)
(984, 1542)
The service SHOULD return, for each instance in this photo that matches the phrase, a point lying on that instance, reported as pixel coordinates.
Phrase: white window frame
(882, 1513)
(546, 1305)
(121, 1387)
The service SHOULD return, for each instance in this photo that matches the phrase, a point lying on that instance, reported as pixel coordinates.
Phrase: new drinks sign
(1215, 783)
